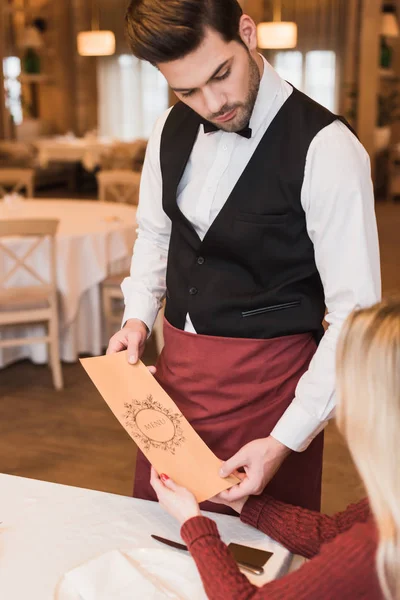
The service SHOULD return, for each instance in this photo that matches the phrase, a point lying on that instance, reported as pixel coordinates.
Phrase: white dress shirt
(337, 198)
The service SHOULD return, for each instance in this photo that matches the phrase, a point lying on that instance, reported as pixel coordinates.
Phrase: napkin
(150, 573)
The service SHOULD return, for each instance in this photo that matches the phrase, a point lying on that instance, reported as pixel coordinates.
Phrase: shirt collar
(269, 87)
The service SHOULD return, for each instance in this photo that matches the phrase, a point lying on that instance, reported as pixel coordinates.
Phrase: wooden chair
(112, 295)
(31, 303)
(119, 186)
(17, 180)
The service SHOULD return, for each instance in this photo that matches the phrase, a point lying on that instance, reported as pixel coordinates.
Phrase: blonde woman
(354, 554)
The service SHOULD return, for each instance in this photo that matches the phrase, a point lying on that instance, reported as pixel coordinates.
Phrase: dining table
(67, 148)
(94, 239)
(66, 543)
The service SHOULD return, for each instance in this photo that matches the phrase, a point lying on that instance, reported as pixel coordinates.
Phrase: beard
(244, 109)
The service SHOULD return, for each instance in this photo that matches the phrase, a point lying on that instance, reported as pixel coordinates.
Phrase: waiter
(256, 216)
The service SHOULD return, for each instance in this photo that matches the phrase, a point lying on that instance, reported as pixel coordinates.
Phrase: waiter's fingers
(238, 460)
(239, 474)
(134, 346)
(115, 346)
(117, 343)
(237, 492)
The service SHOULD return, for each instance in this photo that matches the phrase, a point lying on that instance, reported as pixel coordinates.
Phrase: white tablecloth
(93, 239)
(47, 530)
(69, 149)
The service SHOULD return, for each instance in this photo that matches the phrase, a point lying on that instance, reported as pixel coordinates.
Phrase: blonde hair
(368, 415)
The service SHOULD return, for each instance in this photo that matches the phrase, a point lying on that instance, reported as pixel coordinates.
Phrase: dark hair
(164, 30)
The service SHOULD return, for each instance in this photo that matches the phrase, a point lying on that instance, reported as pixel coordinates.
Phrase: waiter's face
(219, 80)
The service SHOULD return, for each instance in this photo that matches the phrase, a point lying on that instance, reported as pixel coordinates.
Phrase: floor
(71, 437)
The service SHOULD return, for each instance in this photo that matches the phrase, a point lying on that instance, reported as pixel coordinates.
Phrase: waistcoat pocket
(265, 309)
(262, 219)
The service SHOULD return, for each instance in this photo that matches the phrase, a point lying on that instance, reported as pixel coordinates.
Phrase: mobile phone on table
(253, 557)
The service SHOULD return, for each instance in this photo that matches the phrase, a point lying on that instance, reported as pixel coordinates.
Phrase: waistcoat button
(193, 291)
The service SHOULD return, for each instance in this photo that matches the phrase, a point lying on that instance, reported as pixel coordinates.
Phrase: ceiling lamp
(277, 34)
(389, 24)
(96, 42)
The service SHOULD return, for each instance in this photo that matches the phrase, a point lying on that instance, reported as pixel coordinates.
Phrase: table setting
(65, 543)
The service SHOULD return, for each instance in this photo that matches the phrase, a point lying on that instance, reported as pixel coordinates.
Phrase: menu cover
(155, 423)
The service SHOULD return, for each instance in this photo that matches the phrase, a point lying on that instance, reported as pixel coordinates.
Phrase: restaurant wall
(68, 102)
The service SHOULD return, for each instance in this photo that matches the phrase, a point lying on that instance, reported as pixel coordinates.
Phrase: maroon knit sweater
(342, 549)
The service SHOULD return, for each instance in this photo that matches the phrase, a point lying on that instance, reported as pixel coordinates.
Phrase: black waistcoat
(254, 274)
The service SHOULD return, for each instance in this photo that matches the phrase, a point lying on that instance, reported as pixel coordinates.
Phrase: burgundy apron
(233, 391)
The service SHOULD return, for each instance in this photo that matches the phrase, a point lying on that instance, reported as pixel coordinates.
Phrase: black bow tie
(210, 127)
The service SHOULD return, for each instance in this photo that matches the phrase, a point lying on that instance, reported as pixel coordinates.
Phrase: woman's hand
(176, 500)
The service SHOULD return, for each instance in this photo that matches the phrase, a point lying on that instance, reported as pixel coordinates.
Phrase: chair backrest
(16, 180)
(124, 155)
(39, 230)
(17, 155)
(119, 186)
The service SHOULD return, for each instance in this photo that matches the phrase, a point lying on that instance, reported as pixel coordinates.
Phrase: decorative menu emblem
(154, 425)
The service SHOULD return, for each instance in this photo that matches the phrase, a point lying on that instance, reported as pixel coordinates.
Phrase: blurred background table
(86, 150)
(94, 239)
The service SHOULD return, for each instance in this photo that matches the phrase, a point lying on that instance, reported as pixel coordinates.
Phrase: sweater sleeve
(327, 576)
(301, 531)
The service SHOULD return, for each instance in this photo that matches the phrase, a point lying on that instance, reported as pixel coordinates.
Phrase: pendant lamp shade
(96, 43)
(277, 34)
(389, 23)
(32, 38)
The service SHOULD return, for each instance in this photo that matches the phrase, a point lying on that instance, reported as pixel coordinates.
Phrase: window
(314, 73)
(290, 67)
(12, 85)
(132, 94)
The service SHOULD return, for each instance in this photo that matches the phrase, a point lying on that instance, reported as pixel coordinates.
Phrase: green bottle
(31, 62)
(386, 54)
